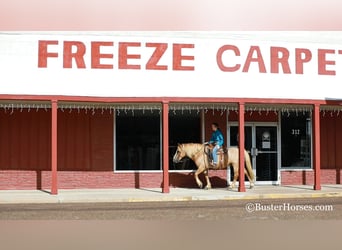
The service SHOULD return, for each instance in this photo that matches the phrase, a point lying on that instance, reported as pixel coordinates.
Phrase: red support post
(54, 108)
(316, 147)
(242, 187)
(166, 188)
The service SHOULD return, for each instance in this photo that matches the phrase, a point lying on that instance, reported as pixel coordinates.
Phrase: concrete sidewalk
(176, 194)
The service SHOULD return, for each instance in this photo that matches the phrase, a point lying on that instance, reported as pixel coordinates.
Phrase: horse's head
(180, 153)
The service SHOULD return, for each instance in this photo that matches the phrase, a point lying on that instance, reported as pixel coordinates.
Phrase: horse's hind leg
(236, 175)
(251, 181)
(206, 174)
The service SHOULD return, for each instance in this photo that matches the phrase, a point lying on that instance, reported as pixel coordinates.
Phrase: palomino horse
(197, 153)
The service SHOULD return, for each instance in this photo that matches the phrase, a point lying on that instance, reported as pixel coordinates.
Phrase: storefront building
(107, 110)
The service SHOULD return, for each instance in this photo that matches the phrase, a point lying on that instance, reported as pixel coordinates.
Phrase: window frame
(115, 147)
(296, 168)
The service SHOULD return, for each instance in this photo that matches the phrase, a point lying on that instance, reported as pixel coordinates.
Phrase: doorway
(261, 141)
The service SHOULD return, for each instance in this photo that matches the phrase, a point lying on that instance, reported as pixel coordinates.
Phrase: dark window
(184, 127)
(138, 140)
(296, 140)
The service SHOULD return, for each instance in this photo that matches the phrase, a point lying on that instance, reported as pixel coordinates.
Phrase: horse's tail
(249, 166)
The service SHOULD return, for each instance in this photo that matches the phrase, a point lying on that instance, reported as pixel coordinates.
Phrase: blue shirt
(217, 137)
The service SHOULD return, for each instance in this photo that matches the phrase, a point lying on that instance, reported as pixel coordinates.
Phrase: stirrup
(214, 165)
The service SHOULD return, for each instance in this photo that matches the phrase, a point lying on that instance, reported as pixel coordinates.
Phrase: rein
(199, 151)
(206, 151)
(194, 155)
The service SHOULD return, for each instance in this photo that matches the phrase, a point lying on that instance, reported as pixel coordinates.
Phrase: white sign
(174, 64)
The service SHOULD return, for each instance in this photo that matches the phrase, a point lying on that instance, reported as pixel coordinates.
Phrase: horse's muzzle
(176, 161)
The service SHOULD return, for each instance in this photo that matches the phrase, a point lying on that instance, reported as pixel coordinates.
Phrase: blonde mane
(192, 149)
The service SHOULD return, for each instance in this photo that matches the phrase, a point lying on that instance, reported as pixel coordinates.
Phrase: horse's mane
(192, 148)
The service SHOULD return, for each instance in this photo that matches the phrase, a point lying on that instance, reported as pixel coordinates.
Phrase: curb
(65, 199)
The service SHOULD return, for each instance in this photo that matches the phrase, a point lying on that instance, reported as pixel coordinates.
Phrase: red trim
(61, 98)
(54, 109)
(316, 147)
(242, 187)
(166, 188)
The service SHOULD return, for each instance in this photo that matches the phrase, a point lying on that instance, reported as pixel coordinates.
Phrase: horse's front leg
(198, 181)
(206, 174)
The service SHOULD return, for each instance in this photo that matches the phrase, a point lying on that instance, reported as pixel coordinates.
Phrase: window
(184, 127)
(137, 140)
(296, 140)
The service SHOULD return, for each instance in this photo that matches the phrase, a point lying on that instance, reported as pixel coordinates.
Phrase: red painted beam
(242, 187)
(54, 107)
(62, 98)
(316, 147)
(166, 188)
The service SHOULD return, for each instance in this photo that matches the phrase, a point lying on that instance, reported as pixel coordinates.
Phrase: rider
(217, 140)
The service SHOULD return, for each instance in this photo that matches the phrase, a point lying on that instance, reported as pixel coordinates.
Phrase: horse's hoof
(207, 188)
(200, 186)
(229, 187)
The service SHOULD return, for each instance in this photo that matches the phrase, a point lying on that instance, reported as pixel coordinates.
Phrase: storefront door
(261, 141)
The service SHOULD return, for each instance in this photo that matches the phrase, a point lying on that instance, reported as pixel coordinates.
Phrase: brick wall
(41, 180)
(306, 177)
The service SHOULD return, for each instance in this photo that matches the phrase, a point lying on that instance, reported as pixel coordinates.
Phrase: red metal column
(166, 188)
(54, 107)
(242, 187)
(316, 147)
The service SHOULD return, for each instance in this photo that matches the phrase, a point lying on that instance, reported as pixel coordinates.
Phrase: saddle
(208, 150)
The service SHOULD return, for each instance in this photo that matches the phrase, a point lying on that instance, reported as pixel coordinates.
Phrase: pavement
(155, 194)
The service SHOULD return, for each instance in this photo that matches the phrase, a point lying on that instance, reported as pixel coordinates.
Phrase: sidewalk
(176, 194)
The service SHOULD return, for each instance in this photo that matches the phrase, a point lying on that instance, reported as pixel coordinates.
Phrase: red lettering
(124, 56)
(300, 60)
(258, 59)
(281, 58)
(68, 55)
(219, 58)
(43, 54)
(178, 57)
(159, 51)
(323, 62)
(96, 55)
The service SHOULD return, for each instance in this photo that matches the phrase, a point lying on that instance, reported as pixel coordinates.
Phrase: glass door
(266, 153)
(261, 142)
